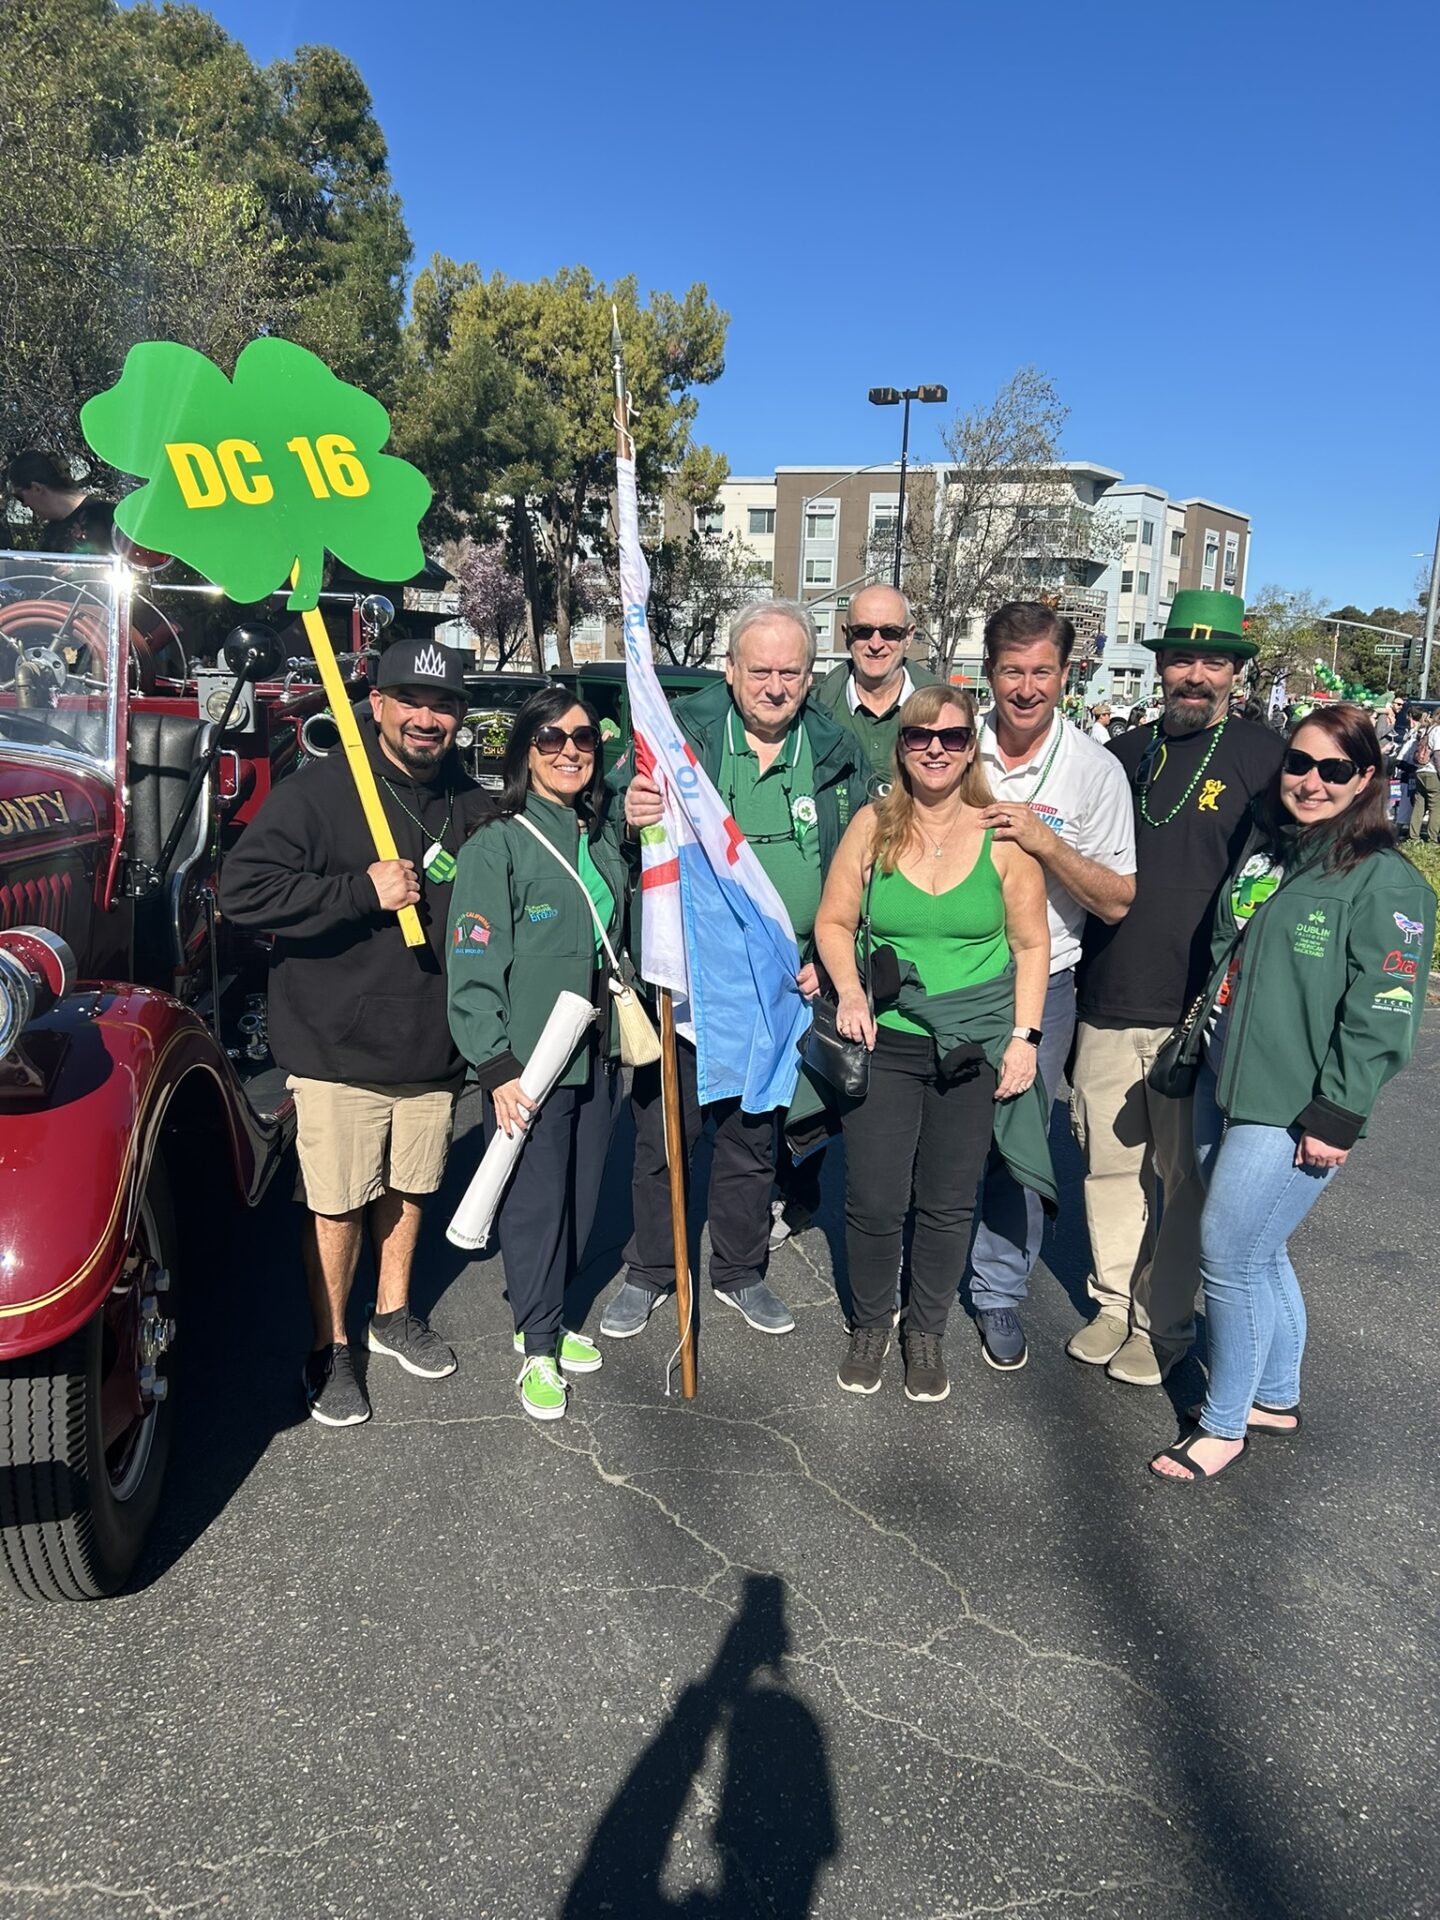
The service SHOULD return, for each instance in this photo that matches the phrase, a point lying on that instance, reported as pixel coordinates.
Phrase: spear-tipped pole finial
(623, 445)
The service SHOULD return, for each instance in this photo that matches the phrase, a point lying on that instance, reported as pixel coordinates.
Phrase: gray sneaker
(404, 1336)
(786, 1220)
(1002, 1338)
(861, 1369)
(333, 1394)
(764, 1310)
(626, 1314)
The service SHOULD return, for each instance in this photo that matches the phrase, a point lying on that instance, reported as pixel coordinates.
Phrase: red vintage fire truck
(133, 1062)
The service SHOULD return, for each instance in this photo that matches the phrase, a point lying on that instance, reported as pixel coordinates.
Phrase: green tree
(546, 452)
(1288, 627)
(158, 185)
(696, 584)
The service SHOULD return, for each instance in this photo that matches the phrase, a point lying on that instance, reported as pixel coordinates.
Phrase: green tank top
(953, 939)
(596, 884)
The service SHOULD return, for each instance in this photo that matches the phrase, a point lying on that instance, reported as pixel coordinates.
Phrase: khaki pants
(1131, 1138)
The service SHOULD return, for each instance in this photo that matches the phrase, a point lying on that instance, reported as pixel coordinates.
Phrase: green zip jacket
(840, 768)
(1330, 996)
(874, 732)
(521, 934)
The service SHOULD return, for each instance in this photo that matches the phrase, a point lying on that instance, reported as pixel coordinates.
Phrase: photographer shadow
(776, 1825)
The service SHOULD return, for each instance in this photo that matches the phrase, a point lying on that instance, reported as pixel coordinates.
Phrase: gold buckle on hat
(1201, 633)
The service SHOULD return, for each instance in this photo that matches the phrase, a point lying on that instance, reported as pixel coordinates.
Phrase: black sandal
(1192, 1414)
(1180, 1453)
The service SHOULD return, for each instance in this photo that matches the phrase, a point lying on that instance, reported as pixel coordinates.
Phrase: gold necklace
(937, 847)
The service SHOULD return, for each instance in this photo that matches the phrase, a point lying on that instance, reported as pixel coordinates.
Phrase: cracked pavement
(779, 1652)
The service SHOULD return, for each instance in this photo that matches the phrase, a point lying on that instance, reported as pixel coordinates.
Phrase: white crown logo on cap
(431, 662)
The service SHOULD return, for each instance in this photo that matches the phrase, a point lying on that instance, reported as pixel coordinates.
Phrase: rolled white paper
(475, 1215)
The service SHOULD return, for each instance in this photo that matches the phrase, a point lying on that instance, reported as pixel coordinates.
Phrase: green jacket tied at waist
(984, 1016)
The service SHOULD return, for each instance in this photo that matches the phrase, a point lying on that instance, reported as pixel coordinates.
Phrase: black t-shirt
(1146, 971)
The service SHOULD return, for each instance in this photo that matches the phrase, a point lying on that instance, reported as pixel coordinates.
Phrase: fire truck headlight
(17, 1001)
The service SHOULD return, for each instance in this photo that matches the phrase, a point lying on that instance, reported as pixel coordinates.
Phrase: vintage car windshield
(62, 659)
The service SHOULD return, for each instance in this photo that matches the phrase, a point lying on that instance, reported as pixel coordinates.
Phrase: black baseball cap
(421, 663)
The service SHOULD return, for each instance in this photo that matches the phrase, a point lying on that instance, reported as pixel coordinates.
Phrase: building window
(710, 520)
(1177, 544)
(1132, 527)
(1232, 560)
(1139, 634)
(762, 519)
(820, 573)
(884, 516)
(1127, 580)
(824, 624)
(1212, 555)
(1122, 631)
(1147, 537)
(820, 523)
(1170, 588)
(1142, 581)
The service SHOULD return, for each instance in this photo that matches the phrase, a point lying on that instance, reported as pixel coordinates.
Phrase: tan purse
(639, 1042)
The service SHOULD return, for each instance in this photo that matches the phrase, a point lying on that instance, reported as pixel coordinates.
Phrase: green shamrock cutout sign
(252, 477)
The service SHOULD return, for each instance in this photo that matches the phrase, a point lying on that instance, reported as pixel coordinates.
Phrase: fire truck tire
(72, 1521)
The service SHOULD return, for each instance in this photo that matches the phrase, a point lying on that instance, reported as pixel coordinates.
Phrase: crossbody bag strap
(865, 923)
(556, 854)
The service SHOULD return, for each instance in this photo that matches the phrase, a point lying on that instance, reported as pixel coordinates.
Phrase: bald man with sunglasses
(866, 693)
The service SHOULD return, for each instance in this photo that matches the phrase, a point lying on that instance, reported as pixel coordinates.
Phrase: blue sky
(1213, 227)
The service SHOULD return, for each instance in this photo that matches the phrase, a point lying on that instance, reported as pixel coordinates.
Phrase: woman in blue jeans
(1321, 948)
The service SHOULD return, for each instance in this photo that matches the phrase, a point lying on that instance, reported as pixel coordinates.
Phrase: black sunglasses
(866, 632)
(1335, 773)
(952, 739)
(550, 740)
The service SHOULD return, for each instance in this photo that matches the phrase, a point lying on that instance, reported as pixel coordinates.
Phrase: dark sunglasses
(952, 739)
(550, 740)
(864, 632)
(1335, 773)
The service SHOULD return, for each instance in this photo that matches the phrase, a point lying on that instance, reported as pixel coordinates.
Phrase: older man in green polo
(1193, 774)
(792, 779)
(867, 691)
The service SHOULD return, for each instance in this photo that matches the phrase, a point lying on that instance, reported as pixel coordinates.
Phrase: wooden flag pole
(361, 772)
(675, 1158)
(675, 1155)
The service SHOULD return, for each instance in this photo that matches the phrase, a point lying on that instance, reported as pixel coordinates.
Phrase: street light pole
(890, 397)
(1430, 619)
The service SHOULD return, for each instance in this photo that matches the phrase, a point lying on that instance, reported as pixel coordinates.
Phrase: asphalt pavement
(774, 1653)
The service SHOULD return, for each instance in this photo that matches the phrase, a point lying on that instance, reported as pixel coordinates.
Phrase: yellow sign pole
(361, 771)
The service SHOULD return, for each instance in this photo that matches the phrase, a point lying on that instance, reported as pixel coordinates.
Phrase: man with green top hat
(1193, 774)
(866, 694)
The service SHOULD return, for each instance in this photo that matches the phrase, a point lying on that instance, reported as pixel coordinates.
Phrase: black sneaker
(333, 1394)
(859, 1371)
(1002, 1338)
(925, 1375)
(405, 1337)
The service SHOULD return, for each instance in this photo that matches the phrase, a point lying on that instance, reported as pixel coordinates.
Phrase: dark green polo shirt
(775, 811)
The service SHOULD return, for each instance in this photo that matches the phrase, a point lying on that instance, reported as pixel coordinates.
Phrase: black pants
(913, 1126)
(798, 1184)
(549, 1206)
(741, 1171)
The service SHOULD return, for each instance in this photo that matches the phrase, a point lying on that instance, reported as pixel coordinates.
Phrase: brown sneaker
(1099, 1342)
(1140, 1363)
(925, 1375)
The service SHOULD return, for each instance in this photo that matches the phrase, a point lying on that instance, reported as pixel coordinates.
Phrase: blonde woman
(961, 964)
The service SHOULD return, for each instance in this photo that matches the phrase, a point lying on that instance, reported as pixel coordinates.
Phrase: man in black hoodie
(357, 1018)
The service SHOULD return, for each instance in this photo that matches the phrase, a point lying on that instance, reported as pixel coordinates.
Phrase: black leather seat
(164, 748)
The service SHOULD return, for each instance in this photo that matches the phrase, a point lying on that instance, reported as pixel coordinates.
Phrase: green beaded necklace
(1149, 769)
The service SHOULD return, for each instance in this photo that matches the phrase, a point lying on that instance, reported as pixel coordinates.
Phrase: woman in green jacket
(1321, 943)
(522, 933)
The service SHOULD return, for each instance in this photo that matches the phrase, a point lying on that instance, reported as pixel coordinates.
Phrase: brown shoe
(1094, 1345)
(1140, 1363)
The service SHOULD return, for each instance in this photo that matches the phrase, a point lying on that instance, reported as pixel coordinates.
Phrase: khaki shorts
(355, 1142)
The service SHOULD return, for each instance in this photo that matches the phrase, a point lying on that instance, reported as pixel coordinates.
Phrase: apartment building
(824, 532)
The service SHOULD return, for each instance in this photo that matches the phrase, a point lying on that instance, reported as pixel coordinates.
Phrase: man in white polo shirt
(1064, 799)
